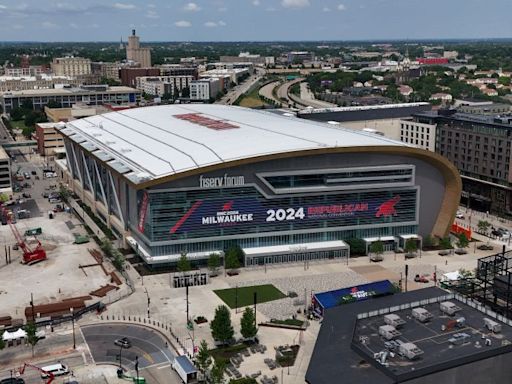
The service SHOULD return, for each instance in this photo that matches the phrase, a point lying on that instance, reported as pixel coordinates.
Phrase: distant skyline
(253, 20)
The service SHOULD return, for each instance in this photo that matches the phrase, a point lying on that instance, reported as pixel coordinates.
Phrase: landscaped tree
(377, 247)
(428, 241)
(17, 114)
(462, 241)
(357, 247)
(213, 263)
(221, 327)
(203, 359)
(2, 342)
(248, 324)
(32, 338)
(445, 243)
(217, 373)
(483, 226)
(183, 263)
(233, 256)
(411, 245)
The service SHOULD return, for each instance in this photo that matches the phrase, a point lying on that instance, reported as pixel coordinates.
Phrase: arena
(199, 178)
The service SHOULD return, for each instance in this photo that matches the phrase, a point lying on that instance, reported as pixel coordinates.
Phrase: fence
(182, 341)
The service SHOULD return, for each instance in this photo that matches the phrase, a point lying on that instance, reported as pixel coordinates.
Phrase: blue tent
(329, 299)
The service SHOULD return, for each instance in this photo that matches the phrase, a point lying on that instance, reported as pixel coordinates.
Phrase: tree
(483, 226)
(221, 327)
(465, 273)
(428, 241)
(234, 255)
(183, 263)
(213, 263)
(377, 247)
(53, 104)
(31, 330)
(185, 92)
(27, 105)
(17, 114)
(203, 359)
(411, 245)
(462, 241)
(357, 247)
(217, 374)
(248, 324)
(445, 243)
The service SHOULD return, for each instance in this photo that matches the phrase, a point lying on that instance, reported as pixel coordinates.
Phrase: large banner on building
(249, 212)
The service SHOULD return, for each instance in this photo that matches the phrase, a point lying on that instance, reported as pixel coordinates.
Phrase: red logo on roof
(197, 118)
(387, 208)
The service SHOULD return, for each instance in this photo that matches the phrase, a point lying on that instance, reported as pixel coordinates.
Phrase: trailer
(388, 332)
(185, 369)
(421, 314)
(394, 320)
(449, 308)
(492, 325)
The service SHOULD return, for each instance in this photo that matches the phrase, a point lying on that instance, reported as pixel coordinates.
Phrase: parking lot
(58, 277)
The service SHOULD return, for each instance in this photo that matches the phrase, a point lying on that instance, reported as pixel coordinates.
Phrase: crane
(30, 256)
(50, 376)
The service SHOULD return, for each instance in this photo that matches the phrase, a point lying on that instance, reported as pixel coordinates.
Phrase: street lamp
(149, 300)
(73, 322)
(120, 356)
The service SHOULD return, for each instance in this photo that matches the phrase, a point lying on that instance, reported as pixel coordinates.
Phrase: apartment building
(161, 85)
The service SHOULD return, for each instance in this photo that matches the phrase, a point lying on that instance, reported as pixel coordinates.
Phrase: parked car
(123, 342)
(26, 175)
(444, 252)
(34, 172)
(421, 279)
(26, 195)
(461, 251)
(485, 247)
(459, 215)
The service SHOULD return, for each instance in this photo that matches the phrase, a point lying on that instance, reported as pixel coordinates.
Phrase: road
(284, 89)
(235, 92)
(308, 98)
(148, 345)
(266, 91)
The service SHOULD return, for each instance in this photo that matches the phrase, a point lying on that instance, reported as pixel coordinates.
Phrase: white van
(55, 369)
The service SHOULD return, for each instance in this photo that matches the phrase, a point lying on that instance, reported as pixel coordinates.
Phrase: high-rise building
(135, 52)
(71, 66)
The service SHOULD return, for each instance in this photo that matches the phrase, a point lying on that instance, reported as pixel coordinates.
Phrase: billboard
(249, 212)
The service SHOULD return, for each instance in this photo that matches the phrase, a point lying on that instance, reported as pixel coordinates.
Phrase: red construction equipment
(30, 256)
(49, 375)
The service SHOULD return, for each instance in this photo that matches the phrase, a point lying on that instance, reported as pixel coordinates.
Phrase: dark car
(485, 247)
(123, 342)
(34, 172)
(12, 380)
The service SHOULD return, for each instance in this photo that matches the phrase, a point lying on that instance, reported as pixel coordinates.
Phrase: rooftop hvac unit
(492, 325)
(388, 332)
(449, 308)
(410, 350)
(421, 314)
(394, 320)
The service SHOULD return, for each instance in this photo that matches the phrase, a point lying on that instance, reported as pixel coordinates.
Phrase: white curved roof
(152, 142)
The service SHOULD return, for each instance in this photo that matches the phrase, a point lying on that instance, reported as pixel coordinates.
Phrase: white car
(459, 215)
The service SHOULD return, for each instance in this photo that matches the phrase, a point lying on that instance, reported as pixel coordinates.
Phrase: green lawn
(18, 124)
(243, 296)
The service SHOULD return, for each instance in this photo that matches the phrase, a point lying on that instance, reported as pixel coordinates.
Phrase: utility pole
(137, 368)
(255, 298)
(236, 298)
(186, 293)
(73, 322)
(149, 301)
(32, 306)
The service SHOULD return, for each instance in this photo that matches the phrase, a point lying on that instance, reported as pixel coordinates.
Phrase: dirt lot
(56, 278)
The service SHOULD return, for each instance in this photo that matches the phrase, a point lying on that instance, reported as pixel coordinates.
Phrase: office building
(136, 53)
(11, 83)
(66, 97)
(71, 66)
(204, 89)
(106, 70)
(162, 85)
(479, 146)
(48, 139)
(129, 75)
(198, 178)
(5, 173)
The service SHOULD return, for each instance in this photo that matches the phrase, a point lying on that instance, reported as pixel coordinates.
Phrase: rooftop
(153, 142)
(65, 91)
(340, 352)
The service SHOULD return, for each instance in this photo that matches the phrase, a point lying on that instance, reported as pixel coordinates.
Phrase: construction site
(50, 267)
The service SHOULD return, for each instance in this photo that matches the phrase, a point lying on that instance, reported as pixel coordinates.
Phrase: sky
(253, 20)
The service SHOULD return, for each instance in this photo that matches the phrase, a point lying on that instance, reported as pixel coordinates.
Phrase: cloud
(295, 3)
(341, 7)
(256, 3)
(183, 24)
(191, 7)
(73, 25)
(326, 9)
(123, 6)
(3, 6)
(152, 14)
(213, 24)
